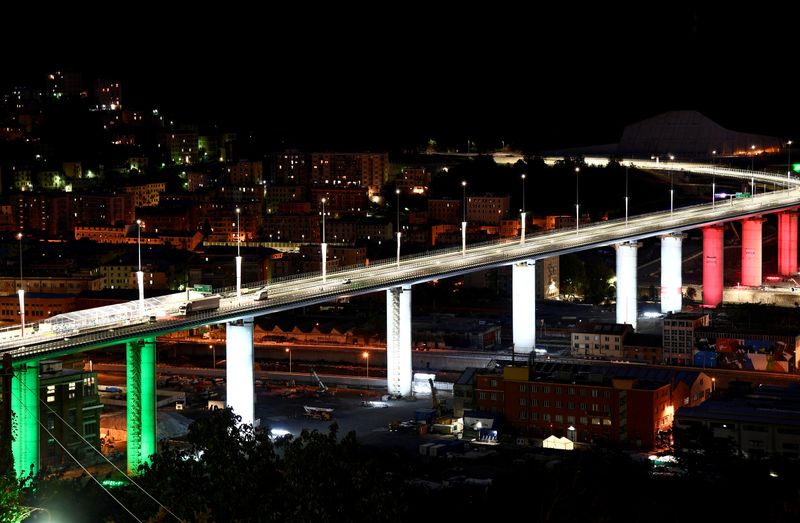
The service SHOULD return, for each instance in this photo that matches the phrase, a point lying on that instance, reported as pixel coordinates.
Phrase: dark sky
(541, 76)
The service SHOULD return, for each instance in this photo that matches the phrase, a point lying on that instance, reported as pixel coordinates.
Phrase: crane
(434, 399)
(322, 387)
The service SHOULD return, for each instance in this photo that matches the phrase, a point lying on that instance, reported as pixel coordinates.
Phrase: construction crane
(322, 387)
(434, 399)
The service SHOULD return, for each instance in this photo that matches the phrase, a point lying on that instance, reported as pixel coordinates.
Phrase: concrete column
(751, 251)
(523, 281)
(787, 243)
(140, 360)
(398, 340)
(239, 377)
(463, 238)
(627, 302)
(671, 279)
(25, 406)
(238, 277)
(713, 265)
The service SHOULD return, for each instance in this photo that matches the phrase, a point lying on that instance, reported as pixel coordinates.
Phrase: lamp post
(397, 192)
(713, 177)
(788, 163)
(522, 214)
(671, 194)
(289, 351)
(213, 354)
(139, 273)
(21, 290)
(752, 156)
(238, 257)
(626, 196)
(323, 245)
(464, 218)
(365, 355)
(577, 201)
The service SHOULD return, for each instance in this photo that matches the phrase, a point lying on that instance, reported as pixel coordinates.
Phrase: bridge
(137, 324)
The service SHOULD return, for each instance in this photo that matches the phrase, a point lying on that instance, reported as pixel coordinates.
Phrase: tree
(11, 508)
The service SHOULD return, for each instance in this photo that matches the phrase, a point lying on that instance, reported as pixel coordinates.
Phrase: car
(346, 282)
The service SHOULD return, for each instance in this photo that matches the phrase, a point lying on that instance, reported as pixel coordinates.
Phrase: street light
(213, 354)
(626, 196)
(788, 163)
(323, 245)
(671, 194)
(713, 177)
(238, 256)
(577, 201)
(752, 156)
(365, 355)
(139, 273)
(464, 218)
(21, 290)
(397, 192)
(522, 215)
(287, 349)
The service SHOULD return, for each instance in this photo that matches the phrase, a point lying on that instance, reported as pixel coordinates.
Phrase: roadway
(309, 289)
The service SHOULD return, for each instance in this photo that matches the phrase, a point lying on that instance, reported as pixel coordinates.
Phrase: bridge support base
(751, 251)
(671, 280)
(25, 405)
(398, 340)
(787, 243)
(239, 370)
(627, 304)
(141, 410)
(713, 265)
(523, 282)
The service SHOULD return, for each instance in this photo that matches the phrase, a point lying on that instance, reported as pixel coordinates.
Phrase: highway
(84, 330)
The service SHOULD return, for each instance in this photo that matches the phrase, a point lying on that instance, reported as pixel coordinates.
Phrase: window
(72, 385)
(493, 383)
(584, 420)
(595, 407)
(571, 420)
(51, 399)
(493, 396)
(482, 395)
(571, 391)
(51, 389)
(51, 420)
(523, 401)
(90, 427)
(595, 421)
(559, 418)
(558, 390)
(523, 414)
(545, 417)
(606, 393)
(594, 393)
(571, 405)
(583, 392)
(607, 422)
(534, 403)
(583, 406)
(546, 389)
(546, 403)
(523, 387)
(535, 416)
(558, 404)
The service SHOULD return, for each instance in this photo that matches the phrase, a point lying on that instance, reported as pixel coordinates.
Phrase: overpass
(137, 324)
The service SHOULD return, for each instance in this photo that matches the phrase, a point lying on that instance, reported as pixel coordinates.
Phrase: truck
(261, 294)
(206, 303)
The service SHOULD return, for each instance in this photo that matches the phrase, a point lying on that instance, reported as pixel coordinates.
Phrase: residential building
(70, 413)
(146, 195)
(108, 94)
(678, 335)
(647, 348)
(38, 306)
(445, 211)
(487, 209)
(599, 340)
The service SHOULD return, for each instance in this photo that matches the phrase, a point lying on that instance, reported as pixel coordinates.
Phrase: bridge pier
(752, 251)
(25, 405)
(140, 363)
(671, 279)
(713, 265)
(787, 243)
(239, 376)
(398, 340)
(523, 282)
(627, 303)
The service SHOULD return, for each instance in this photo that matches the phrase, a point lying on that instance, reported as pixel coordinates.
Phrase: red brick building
(587, 407)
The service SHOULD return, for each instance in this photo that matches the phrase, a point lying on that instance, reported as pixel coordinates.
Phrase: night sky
(537, 77)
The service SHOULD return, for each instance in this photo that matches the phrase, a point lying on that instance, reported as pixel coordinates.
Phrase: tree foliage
(229, 472)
